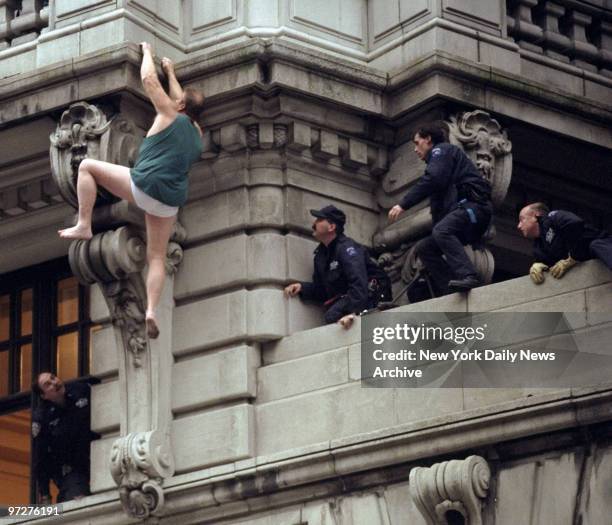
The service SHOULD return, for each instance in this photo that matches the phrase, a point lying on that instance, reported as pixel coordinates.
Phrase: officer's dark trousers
(448, 237)
(602, 249)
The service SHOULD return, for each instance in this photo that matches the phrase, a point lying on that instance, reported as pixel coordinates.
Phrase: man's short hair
(194, 103)
(539, 208)
(437, 131)
(35, 386)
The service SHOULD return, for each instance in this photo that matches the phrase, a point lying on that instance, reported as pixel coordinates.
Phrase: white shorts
(150, 205)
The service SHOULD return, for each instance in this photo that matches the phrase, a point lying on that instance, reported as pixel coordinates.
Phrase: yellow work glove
(562, 266)
(536, 272)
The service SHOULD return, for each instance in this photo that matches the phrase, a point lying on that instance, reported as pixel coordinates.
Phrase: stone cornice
(67, 79)
(264, 482)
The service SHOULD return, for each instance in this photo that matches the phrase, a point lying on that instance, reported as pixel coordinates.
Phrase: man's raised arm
(164, 105)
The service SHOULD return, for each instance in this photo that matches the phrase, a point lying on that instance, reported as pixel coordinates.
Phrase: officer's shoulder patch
(436, 152)
(351, 251)
(552, 213)
(35, 428)
(82, 402)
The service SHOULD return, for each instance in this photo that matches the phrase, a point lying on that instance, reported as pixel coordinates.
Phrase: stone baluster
(584, 54)
(521, 26)
(556, 44)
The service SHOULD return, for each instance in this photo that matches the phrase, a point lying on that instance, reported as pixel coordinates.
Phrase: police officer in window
(346, 279)
(561, 239)
(60, 428)
(461, 208)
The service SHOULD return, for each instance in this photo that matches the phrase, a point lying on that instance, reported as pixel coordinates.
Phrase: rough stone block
(267, 258)
(104, 403)
(310, 373)
(101, 478)
(63, 48)
(214, 378)
(552, 77)
(401, 507)
(299, 136)
(310, 342)
(522, 290)
(303, 316)
(327, 146)
(266, 135)
(233, 137)
(98, 309)
(266, 315)
(215, 214)
(104, 360)
(499, 58)
(339, 412)
(301, 257)
(209, 322)
(217, 264)
(266, 206)
(213, 438)
(104, 35)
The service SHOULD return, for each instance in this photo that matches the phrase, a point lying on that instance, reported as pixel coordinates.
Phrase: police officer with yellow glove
(561, 240)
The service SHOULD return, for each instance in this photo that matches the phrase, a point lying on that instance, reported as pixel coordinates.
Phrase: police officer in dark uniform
(561, 240)
(346, 279)
(61, 432)
(461, 208)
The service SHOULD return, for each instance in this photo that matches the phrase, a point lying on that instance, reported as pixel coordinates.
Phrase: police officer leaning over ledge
(461, 208)
(62, 435)
(345, 279)
(561, 239)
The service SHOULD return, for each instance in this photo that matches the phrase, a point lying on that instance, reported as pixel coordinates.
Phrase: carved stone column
(451, 487)
(114, 260)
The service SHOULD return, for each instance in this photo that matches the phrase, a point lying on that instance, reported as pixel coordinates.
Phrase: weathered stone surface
(215, 378)
(104, 352)
(104, 403)
(213, 437)
(310, 373)
(100, 453)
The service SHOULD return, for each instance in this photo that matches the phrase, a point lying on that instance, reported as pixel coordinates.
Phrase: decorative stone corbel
(455, 486)
(84, 131)
(114, 260)
(487, 145)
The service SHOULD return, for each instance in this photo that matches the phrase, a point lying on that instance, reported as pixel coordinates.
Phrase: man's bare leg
(113, 177)
(159, 230)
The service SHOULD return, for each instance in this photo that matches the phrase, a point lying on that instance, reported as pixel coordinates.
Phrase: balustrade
(22, 21)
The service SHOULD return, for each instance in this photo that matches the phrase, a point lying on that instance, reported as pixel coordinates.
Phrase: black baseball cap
(331, 213)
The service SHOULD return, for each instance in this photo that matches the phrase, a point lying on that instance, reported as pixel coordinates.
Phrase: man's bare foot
(152, 330)
(76, 232)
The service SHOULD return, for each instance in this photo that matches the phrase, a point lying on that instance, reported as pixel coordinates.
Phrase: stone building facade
(246, 410)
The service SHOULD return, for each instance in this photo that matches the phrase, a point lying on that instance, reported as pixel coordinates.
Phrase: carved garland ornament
(456, 486)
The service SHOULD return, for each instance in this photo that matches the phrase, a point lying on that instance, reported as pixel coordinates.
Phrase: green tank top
(164, 160)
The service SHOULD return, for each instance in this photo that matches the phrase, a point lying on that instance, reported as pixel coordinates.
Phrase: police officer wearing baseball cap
(345, 279)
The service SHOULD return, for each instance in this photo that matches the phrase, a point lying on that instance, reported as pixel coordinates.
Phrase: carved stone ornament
(114, 260)
(85, 132)
(483, 140)
(451, 487)
(139, 462)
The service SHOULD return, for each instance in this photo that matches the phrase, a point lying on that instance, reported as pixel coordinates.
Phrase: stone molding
(298, 137)
(455, 486)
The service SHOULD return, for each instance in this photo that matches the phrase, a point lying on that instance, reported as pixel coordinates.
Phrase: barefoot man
(158, 182)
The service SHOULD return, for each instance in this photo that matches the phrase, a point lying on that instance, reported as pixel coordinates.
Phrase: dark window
(44, 325)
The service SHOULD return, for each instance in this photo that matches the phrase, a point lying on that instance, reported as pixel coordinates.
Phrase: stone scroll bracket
(115, 260)
(452, 491)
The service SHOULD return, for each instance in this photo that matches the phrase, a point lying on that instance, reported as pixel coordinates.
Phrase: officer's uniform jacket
(449, 177)
(342, 271)
(61, 437)
(563, 233)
